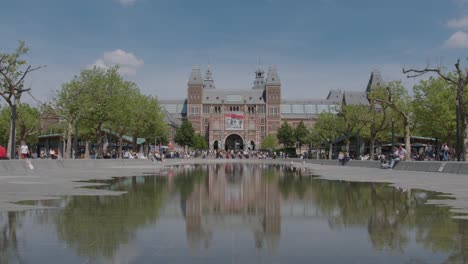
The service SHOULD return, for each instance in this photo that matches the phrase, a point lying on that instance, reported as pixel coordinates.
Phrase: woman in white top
(24, 151)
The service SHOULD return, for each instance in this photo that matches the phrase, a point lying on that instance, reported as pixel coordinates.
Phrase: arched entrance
(234, 142)
(252, 145)
(216, 145)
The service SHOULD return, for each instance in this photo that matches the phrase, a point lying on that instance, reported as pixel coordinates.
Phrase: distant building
(240, 119)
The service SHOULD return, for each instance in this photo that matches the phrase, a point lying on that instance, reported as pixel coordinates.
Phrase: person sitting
(395, 157)
(341, 158)
(383, 160)
(346, 158)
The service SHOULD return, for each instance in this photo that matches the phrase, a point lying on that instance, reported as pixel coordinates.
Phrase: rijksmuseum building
(240, 119)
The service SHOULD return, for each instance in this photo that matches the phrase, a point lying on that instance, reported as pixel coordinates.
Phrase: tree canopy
(184, 134)
(285, 135)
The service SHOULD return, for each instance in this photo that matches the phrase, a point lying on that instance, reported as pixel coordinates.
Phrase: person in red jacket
(3, 153)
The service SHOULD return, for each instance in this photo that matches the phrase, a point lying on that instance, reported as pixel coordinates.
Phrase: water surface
(236, 213)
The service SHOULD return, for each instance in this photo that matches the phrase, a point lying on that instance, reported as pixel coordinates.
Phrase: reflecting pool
(236, 213)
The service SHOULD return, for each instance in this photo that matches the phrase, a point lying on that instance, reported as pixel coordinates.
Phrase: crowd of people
(388, 160)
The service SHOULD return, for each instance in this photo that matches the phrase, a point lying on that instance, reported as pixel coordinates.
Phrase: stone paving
(46, 179)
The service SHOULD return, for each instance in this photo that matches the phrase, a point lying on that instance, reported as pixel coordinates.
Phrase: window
(310, 109)
(322, 108)
(261, 109)
(194, 111)
(273, 111)
(298, 109)
(206, 109)
(286, 109)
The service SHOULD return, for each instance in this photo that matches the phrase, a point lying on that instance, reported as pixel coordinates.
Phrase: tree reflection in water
(257, 198)
(97, 225)
(9, 223)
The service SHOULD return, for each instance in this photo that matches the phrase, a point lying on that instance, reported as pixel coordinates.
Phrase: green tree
(285, 135)
(124, 116)
(459, 79)
(354, 119)
(199, 142)
(148, 120)
(270, 142)
(396, 97)
(328, 126)
(314, 141)
(184, 134)
(434, 111)
(67, 105)
(13, 71)
(27, 123)
(301, 134)
(377, 122)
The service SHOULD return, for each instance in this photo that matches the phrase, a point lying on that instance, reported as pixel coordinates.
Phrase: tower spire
(208, 81)
(259, 82)
(273, 78)
(375, 80)
(195, 77)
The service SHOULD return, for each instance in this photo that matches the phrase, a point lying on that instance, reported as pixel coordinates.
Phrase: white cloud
(461, 3)
(127, 61)
(458, 40)
(126, 2)
(458, 23)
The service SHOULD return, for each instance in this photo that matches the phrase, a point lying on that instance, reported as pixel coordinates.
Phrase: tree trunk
(120, 147)
(10, 145)
(86, 149)
(372, 144)
(134, 143)
(330, 152)
(465, 143)
(407, 140)
(68, 151)
(64, 145)
(461, 108)
(99, 141)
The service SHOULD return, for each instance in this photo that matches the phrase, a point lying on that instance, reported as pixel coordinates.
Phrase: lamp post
(75, 140)
(13, 130)
(393, 132)
(458, 148)
(358, 147)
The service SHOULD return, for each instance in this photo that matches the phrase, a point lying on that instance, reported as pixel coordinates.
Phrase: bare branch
(412, 73)
(34, 98)
(28, 70)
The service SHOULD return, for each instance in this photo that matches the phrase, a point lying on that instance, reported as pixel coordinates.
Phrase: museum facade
(241, 119)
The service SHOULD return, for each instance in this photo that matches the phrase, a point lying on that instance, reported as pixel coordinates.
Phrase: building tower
(273, 100)
(194, 98)
(375, 80)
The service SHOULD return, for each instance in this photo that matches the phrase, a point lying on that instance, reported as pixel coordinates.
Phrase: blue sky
(317, 45)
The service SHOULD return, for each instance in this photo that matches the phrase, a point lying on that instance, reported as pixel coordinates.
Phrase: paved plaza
(46, 179)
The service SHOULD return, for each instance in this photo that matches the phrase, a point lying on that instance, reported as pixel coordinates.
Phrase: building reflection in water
(252, 204)
(234, 195)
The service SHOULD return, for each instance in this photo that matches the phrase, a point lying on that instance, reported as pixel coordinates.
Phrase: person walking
(446, 150)
(24, 150)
